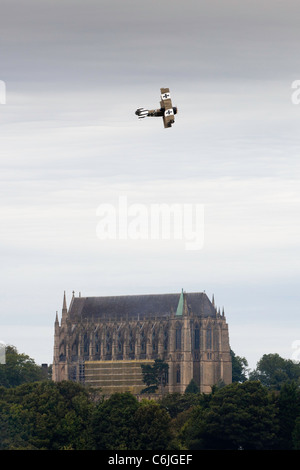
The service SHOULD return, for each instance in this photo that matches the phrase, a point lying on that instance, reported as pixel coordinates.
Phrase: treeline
(67, 415)
(262, 412)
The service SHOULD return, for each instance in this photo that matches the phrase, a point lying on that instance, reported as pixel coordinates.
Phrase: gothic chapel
(103, 341)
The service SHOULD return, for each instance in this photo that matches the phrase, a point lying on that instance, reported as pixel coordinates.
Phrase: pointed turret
(64, 309)
(56, 323)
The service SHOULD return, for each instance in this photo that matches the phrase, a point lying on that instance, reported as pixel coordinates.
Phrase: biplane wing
(166, 104)
(166, 111)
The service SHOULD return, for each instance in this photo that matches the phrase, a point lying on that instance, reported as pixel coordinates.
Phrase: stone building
(102, 341)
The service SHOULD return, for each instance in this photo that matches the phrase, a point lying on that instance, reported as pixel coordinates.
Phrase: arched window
(85, 344)
(108, 340)
(143, 342)
(120, 343)
(178, 337)
(97, 343)
(131, 344)
(62, 351)
(75, 349)
(208, 338)
(153, 341)
(196, 337)
(166, 340)
(178, 378)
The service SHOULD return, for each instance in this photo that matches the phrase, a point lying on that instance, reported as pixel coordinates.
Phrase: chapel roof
(139, 306)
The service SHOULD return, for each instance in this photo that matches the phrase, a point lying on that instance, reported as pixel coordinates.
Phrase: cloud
(75, 72)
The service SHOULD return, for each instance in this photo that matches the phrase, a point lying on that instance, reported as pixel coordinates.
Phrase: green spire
(180, 305)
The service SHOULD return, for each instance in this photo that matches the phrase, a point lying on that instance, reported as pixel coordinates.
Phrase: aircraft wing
(166, 104)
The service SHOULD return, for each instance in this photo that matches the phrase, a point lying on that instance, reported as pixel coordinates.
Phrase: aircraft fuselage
(141, 112)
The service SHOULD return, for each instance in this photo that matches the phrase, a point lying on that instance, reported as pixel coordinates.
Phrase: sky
(72, 147)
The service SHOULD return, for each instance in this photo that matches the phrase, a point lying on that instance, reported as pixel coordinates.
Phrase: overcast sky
(75, 71)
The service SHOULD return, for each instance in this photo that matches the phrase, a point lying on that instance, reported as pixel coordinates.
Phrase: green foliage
(122, 423)
(18, 369)
(67, 415)
(238, 415)
(296, 435)
(176, 403)
(273, 371)
(239, 368)
(288, 402)
(154, 375)
(44, 415)
(153, 430)
(260, 414)
(113, 423)
(192, 387)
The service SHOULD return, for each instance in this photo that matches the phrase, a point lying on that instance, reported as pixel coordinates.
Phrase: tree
(152, 424)
(239, 368)
(45, 415)
(154, 376)
(296, 435)
(288, 412)
(273, 371)
(238, 415)
(176, 403)
(114, 423)
(192, 387)
(18, 369)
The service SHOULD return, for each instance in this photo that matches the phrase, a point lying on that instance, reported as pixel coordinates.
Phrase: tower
(60, 364)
